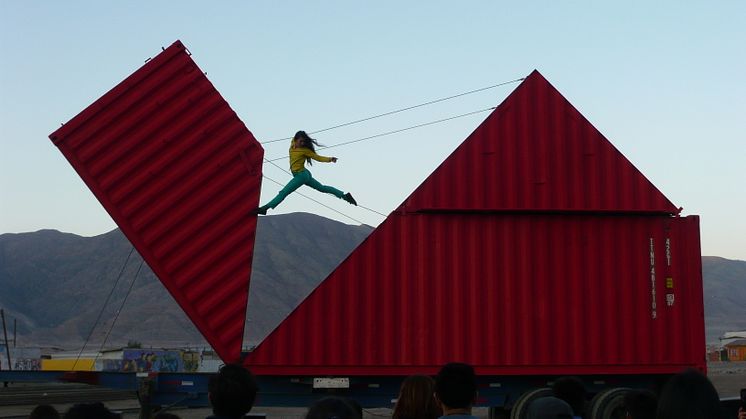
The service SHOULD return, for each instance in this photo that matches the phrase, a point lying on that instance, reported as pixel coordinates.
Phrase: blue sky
(664, 81)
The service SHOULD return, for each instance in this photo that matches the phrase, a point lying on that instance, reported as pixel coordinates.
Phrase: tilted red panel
(179, 173)
(535, 248)
(536, 152)
(510, 294)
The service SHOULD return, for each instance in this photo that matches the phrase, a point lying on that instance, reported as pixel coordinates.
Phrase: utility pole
(5, 332)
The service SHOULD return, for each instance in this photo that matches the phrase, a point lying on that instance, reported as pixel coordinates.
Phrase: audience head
(456, 386)
(549, 408)
(572, 391)
(165, 415)
(689, 395)
(336, 408)
(640, 404)
(90, 411)
(232, 391)
(44, 411)
(416, 399)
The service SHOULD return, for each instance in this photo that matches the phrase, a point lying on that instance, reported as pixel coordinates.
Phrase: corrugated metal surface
(179, 173)
(535, 248)
(536, 152)
(510, 294)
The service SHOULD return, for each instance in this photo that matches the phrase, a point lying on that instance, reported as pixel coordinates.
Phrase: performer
(302, 150)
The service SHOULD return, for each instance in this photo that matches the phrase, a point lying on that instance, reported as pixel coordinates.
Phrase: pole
(5, 332)
(15, 327)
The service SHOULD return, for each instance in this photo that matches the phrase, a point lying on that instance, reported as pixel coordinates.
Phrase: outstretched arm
(324, 159)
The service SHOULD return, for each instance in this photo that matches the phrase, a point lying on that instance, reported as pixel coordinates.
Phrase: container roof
(179, 173)
(536, 152)
(739, 342)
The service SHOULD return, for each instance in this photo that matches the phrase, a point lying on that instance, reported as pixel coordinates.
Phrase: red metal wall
(536, 152)
(535, 248)
(510, 294)
(179, 172)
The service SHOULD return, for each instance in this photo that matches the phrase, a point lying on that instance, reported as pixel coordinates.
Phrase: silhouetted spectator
(689, 395)
(356, 406)
(456, 390)
(44, 411)
(416, 400)
(90, 411)
(549, 408)
(165, 415)
(572, 391)
(232, 392)
(640, 404)
(334, 407)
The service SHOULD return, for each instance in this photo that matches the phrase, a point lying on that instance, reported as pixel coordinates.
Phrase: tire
(609, 404)
(497, 413)
(520, 408)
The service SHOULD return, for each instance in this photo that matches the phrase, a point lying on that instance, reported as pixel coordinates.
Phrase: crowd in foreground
(450, 395)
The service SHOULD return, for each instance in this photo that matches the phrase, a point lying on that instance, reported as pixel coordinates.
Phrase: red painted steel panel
(535, 248)
(536, 152)
(510, 294)
(179, 172)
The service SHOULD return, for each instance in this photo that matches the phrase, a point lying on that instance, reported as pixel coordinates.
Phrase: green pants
(299, 179)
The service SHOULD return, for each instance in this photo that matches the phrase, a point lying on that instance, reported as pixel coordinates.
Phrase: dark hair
(689, 395)
(90, 411)
(416, 399)
(306, 142)
(165, 415)
(232, 391)
(44, 411)
(456, 385)
(641, 404)
(334, 408)
(572, 391)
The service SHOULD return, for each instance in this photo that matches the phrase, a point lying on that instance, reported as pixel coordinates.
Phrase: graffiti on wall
(26, 364)
(143, 360)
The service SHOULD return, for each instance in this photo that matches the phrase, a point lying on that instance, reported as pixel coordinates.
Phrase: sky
(663, 81)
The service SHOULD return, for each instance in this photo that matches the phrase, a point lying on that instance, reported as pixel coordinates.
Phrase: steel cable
(101, 312)
(392, 132)
(119, 311)
(402, 109)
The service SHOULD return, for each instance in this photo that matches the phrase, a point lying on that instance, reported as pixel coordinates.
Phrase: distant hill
(55, 284)
(725, 296)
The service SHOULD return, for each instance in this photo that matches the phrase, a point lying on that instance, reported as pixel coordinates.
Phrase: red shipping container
(535, 248)
(179, 173)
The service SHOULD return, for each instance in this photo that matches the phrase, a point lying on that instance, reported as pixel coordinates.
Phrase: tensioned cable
(318, 202)
(103, 307)
(402, 109)
(393, 132)
(358, 205)
(121, 306)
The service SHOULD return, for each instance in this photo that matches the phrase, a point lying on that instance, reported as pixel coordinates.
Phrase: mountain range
(58, 286)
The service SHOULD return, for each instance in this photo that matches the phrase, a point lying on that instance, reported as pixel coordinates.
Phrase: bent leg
(295, 183)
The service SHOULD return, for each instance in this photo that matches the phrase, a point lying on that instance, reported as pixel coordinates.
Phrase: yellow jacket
(298, 158)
